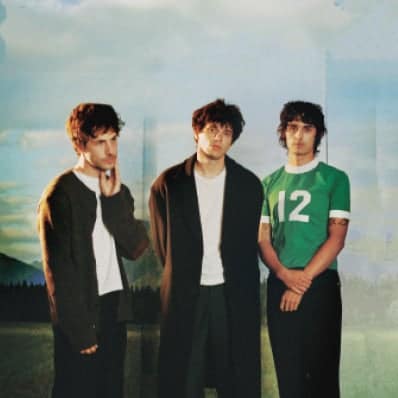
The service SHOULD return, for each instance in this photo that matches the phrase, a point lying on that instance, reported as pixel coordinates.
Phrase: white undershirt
(211, 199)
(107, 266)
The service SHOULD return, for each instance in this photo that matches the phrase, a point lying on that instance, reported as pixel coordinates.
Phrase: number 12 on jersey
(304, 198)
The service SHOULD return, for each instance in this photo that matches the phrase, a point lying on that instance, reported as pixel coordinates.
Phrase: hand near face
(110, 185)
(290, 301)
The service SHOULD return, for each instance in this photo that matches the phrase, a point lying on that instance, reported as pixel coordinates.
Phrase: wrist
(281, 273)
(309, 273)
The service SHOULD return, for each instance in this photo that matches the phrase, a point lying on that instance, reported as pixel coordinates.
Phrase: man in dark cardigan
(86, 223)
(205, 214)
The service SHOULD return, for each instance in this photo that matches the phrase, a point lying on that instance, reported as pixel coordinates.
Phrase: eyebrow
(297, 122)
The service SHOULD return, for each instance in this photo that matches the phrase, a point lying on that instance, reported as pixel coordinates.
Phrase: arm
(118, 215)
(158, 217)
(337, 231)
(296, 280)
(69, 311)
(321, 260)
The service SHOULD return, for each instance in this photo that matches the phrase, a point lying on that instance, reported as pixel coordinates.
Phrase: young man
(86, 223)
(303, 228)
(204, 218)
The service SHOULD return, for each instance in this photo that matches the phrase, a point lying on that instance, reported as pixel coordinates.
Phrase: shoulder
(239, 171)
(170, 176)
(60, 185)
(270, 178)
(332, 172)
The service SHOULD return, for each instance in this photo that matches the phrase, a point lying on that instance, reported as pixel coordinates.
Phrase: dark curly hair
(307, 112)
(219, 112)
(87, 119)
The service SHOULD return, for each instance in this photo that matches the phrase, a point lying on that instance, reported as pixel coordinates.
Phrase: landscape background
(156, 61)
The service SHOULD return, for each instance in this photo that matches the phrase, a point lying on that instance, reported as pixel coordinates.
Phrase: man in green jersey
(303, 227)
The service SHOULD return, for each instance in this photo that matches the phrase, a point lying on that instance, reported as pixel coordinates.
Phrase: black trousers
(98, 375)
(210, 345)
(306, 343)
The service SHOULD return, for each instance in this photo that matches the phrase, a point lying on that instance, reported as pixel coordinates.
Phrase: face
(100, 153)
(300, 138)
(214, 140)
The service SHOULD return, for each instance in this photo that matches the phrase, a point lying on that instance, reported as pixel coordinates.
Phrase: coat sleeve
(158, 218)
(66, 293)
(118, 215)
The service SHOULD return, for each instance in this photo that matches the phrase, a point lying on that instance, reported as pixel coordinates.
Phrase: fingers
(116, 173)
(298, 281)
(290, 301)
(103, 182)
(89, 351)
(110, 184)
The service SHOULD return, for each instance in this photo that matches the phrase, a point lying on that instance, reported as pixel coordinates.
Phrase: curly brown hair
(88, 119)
(219, 112)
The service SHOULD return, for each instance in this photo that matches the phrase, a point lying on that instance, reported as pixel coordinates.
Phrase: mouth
(110, 160)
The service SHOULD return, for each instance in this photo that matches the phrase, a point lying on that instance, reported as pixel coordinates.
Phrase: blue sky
(160, 59)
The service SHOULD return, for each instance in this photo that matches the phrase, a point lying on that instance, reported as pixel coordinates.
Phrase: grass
(368, 368)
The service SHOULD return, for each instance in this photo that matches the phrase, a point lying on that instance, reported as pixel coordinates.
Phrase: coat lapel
(231, 203)
(190, 200)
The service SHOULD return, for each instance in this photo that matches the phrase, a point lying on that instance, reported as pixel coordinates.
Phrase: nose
(218, 134)
(110, 148)
(299, 133)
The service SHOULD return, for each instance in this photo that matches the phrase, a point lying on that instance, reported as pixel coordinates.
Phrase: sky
(156, 61)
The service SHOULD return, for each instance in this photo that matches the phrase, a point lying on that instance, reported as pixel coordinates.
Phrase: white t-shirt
(107, 266)
(211, 200)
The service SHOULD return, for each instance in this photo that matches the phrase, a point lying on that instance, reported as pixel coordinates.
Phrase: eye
(309, 128)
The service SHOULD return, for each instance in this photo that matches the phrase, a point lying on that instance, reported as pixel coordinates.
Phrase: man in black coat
(86, 223)
(205, 214)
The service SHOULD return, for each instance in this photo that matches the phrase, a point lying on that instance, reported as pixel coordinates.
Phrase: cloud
(6, 185)
(13, 234)
(12, 218)
(372, 33)
(17, 218)
(3, 137)
(39, 139)
(25, 251)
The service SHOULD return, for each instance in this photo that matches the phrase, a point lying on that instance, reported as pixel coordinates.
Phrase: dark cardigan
(67, 214)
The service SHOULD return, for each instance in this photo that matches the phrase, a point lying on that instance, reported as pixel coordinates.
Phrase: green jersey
(298, 204)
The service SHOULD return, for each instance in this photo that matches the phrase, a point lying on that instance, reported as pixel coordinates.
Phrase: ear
(79, 147)
(195, 136)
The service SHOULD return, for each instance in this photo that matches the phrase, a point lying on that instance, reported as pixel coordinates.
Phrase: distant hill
(13, 271)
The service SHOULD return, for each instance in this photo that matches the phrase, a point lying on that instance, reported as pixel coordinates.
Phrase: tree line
(25, 302)
(364, 303)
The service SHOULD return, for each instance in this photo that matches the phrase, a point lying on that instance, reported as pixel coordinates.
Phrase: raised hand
(110, 185)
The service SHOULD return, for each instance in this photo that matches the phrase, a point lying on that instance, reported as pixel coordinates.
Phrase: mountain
(13, 271)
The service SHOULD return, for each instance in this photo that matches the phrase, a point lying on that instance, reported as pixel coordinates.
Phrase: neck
(299, 160)
(82, 166)
(207, 167)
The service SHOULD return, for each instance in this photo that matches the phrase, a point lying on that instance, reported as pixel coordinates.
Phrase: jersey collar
(302, 169)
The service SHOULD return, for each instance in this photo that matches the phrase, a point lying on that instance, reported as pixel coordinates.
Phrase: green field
(368, 370)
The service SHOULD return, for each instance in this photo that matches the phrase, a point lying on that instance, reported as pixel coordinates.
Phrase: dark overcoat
(177, 237)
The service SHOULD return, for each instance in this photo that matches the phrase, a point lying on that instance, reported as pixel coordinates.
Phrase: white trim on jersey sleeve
(339, 214)
(265, 219)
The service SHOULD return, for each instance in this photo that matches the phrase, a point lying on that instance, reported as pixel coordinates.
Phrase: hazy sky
(158, 60)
